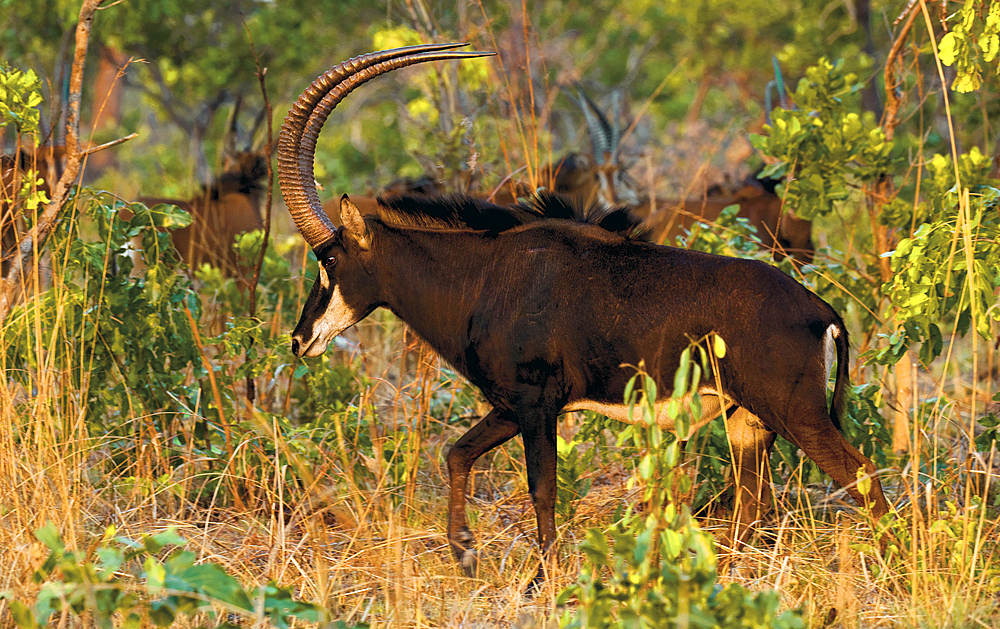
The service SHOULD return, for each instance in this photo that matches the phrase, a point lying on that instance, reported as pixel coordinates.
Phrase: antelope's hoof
(469, 561)
(462, 544)
(534, 586)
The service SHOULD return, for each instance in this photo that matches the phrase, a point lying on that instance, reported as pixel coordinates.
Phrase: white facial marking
(337, 318)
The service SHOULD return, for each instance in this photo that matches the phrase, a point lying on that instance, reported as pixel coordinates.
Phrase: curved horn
(602, 136)
(300, 130)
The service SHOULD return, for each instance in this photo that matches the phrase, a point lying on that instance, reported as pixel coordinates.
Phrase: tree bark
(884, 239)
(30, 247)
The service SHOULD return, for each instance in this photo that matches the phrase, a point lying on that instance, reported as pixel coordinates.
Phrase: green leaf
(642, 544)
(110, 559)
(156, 575)
(989, 421)
(163, 612)
(595, 546)
(671, 541)
(211, 580)
(167, 216)
(158, 541)
(646, 467)
(50, 536)
(22, 615)
(718, 346)
(990, 45)
(673, 454)
(681, 375)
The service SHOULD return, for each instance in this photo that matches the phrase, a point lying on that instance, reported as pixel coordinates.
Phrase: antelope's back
(592, 301)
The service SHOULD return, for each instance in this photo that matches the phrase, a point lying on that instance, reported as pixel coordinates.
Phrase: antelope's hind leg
(815, 433)
(540, 454)
(751, 443)
(491, 431)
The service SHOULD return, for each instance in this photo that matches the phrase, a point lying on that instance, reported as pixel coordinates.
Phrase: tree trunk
(904, 403)
(33, 243)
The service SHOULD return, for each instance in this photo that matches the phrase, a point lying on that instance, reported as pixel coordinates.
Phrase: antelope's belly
(711, 404)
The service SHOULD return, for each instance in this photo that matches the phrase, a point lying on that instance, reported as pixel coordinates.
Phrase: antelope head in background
(224, 208)
(604, 177)
(585, 178)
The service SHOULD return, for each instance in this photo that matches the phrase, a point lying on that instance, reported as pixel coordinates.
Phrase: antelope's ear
(351, 217)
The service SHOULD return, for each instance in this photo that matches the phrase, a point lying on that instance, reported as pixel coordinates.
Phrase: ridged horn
(305, 119)
(602, 136)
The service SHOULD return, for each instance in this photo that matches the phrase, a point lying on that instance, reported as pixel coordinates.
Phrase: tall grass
(336, 484)
(349, 508)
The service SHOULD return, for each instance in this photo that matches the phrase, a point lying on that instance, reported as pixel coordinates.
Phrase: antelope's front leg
(540, 456)
(491, 431)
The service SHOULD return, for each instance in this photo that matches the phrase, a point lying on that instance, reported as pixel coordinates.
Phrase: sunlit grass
(374, 550)
(350, 509)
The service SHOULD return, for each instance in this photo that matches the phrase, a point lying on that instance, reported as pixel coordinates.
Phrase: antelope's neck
(433, 280)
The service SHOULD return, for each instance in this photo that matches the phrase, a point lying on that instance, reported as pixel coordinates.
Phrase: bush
(660, 569)
(80, 590)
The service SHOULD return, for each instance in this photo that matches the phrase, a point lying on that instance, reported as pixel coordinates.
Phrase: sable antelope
(225, 208)
(539, 309)
(228, 206)
(782, 232)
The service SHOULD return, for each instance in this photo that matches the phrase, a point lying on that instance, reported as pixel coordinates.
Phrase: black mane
(617, 220)
(466, 212)
(450, 212)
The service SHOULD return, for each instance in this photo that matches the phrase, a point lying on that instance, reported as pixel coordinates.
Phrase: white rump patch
(830, 349)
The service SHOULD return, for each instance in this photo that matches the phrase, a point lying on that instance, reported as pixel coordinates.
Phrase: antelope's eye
(330, 261)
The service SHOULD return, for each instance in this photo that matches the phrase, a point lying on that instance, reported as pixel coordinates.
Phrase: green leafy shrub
(124, 342)
(933, 281)
(97, 588)
(972, 44)
(571, 483)
(20, 98)
(660, 569)
(827, 147)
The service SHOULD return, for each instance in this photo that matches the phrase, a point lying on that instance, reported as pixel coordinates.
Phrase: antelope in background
(601, 177)
(785, 234)
(226, 207)
(540, 305)
(782, 232)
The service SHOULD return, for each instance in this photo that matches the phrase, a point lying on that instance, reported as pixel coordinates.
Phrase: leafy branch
(97, 585)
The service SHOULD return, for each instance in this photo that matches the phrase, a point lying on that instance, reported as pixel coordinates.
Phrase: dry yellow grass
(377, 554)
(375, 551)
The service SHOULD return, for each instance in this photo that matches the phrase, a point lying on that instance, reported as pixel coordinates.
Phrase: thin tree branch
(892, 96)
(32, 244)
(261, 75)
(107, 145)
